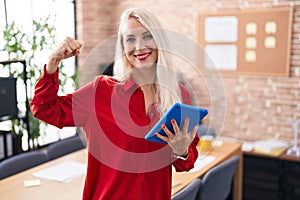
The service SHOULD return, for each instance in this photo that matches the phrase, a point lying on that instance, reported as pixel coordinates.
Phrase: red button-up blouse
(121, 163)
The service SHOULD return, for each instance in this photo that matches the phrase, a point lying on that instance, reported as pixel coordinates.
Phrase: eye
(130, 40)
(148, 37)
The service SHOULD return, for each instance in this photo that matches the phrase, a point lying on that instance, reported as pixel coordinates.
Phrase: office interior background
(257, 106)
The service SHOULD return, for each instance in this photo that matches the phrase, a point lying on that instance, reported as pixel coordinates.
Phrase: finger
(74, 45)
(175, 126)
(77, 52)
(78, 44)
(194, 132)
(66, 47)
(186, 125)
(71, 46)
(167, 131)
(163, 138)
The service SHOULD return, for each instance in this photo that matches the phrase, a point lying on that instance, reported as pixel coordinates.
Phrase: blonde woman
(117, 112)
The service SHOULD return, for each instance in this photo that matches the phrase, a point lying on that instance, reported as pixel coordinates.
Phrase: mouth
(142, 56)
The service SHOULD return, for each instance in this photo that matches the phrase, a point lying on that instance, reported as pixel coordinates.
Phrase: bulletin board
(248, 41)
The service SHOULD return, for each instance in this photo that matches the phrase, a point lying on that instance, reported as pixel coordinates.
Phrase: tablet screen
(177, 112)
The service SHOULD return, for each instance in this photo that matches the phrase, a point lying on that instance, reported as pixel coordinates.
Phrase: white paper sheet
(221, 29)
(62, 172)
(202, 162)
(270, 145)
(221, 57)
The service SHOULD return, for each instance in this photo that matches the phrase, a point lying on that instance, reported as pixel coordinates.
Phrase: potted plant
(23, 45)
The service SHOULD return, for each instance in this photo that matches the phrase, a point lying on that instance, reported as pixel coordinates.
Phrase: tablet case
(177, 112)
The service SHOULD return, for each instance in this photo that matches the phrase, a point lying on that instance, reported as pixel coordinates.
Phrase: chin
(144, 65)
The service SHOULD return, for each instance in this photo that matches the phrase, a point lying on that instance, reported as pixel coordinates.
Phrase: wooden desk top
(283, 156)
(221, 152)
(13, 188)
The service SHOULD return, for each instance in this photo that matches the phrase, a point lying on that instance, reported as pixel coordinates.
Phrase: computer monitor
(8, 98)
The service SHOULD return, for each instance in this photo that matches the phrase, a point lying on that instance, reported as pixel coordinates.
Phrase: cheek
(155, 55)
(128, 47)
(151, 44)
(129, 56)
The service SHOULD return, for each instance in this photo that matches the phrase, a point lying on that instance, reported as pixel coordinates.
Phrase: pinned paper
(271, 27)
(250, 56)
(221, 57)
(251, 28)
(270, 42)
(215, 27)
(251, 43)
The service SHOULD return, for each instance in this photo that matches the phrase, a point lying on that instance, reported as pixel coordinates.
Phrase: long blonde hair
(166, 83)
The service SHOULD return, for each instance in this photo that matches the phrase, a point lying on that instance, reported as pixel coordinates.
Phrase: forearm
(47, 106)
(185, 165)
(53, 64)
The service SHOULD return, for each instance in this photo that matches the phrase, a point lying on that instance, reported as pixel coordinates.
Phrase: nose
(140, 44)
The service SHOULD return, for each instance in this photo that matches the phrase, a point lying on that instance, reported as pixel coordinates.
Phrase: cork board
(249, 41)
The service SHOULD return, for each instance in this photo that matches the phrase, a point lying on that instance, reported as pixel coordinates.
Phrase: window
(62, 15)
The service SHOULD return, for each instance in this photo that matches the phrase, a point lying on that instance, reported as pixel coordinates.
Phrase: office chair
(189, 192)
(64, 147)
(21, 162)
(216, 183)
(109, 70)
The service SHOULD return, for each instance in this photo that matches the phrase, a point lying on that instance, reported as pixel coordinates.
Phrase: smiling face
(139, 45)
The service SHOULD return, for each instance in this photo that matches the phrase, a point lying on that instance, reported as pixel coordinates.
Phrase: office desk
(222, 152)
(270, 177)
(12, 188)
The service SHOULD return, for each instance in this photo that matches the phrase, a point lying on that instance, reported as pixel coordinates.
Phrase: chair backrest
(64, 147)
(216, 183)
(189, 192)
(21, 162)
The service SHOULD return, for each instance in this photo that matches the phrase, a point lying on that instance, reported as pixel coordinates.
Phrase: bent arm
(46, 105)
(60, 111)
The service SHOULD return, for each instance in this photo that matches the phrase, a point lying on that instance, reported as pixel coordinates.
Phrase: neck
(144, 76)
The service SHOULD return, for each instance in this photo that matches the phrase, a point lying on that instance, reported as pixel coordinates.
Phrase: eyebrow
(132, 35)
(145, 33)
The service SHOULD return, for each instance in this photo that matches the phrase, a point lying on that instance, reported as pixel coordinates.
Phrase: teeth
(142, 56)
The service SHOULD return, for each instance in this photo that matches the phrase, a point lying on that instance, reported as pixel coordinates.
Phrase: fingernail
(173, 121)
(163, 126)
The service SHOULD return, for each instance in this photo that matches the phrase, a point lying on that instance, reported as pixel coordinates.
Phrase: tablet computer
(177, 112)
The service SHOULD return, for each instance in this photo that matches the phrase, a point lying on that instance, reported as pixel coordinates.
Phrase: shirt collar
(130, 83)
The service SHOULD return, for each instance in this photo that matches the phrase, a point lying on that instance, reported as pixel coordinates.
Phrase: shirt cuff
(46, 76)
(181, 157)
